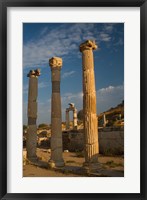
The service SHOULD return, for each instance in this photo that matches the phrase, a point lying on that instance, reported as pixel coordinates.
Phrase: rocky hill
(114, 116)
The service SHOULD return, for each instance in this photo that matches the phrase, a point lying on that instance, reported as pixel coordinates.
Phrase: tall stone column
(75, 118)
(31, 142)
(89, 103)
(67, 119)
(56, 121)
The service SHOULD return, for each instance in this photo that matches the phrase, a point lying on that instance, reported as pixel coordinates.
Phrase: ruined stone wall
(111, 141)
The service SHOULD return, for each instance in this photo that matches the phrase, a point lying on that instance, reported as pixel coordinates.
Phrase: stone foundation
(111, 141)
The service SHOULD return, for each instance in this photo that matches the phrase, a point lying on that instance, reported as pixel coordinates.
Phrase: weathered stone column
(31, 142)
(89, 103)
(67, 119)
(56, 121)
(75, 118)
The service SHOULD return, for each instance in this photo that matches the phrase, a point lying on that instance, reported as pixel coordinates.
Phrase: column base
(54, 164)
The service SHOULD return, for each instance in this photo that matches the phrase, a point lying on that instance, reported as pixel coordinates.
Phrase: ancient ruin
(32, 115)
(89, 103)
(79, 146)
(71, 108)
(56, 120)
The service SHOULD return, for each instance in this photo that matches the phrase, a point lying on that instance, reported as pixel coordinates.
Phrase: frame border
(3, 94)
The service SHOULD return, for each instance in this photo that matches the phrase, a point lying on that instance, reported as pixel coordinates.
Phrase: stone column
(75, 118)
(89, 103)
(104, 120)
(67, 119)
(56, 121)
(31, 142)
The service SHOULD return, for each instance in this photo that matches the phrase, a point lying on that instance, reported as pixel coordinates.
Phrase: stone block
(112, 142)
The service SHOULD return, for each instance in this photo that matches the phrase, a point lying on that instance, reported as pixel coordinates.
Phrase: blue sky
(41, 41)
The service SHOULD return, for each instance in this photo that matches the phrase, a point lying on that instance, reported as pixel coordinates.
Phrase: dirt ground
(109, 166)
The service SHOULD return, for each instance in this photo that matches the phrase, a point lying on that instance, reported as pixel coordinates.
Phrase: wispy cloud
(110, 90)
(108, 28)
(106, 98)
(105, 37)
(67, 74)
(43, 85)
(60, 42)
(109, 97)
(72, 96)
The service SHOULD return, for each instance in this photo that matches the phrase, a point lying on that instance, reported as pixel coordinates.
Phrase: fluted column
(89, 103)
(56, 121)
(67, 119)
(31, 142)
(75, 118)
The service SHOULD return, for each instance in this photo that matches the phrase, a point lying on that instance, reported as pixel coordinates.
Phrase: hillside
(114, 116)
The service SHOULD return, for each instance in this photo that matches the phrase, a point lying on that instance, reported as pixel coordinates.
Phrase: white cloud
(43, 85)
(61, 42)
(67, 97)
(109, 97)
(108, 28)
(67, 74)
(104, 37)
(110, 89)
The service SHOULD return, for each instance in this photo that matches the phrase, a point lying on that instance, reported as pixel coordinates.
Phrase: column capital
(88, 45)
(34, 73)
(55, 63)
